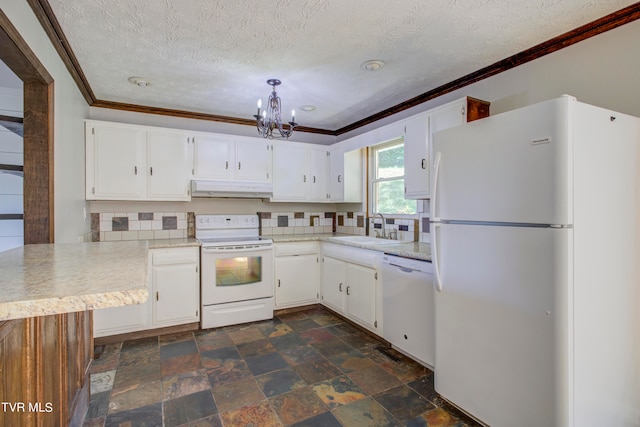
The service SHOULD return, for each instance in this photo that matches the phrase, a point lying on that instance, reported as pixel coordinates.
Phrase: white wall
(70, 110)
(602, 70)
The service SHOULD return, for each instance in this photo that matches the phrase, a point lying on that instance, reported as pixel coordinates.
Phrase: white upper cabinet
(345, 175)
(214, 156)
(290, 171)
(131, 162)
(224, 157)
(416, 157)
(253, 159)
(336, 174)
(299, 172)
(168, 165)
(418, 137)
(318, 172)
(128, 162)
(114, 162)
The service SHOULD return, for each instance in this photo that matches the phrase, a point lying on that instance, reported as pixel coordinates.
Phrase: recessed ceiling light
(308, 108)
(139, 81)
(372, 65)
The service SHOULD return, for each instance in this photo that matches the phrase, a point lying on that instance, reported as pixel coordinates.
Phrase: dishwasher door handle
(405, 269)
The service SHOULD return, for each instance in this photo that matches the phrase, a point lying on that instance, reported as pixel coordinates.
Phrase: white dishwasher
(408, 306)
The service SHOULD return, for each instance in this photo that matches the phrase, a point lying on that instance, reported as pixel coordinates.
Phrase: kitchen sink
(366, 240)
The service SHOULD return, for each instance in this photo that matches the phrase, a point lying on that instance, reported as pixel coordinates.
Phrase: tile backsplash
(277, 223)
(407, 230)
(351, 223)
(114, 226)
(170, 225)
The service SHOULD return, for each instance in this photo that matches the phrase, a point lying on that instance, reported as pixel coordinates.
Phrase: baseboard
(111, 339)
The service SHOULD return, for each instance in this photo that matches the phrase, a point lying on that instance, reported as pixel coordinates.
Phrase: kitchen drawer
(364, 257)
(174, 256)
(296, 248)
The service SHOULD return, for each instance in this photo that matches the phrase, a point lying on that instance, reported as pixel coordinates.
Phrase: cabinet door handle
(340, 287)
(423, 166)
(239, 166)
(226, 164)
(157, 295)
(314, 179)
(278, 282)
(348, 290)
(304, 178)
(135, 170)
(339, 178)
(151, 170)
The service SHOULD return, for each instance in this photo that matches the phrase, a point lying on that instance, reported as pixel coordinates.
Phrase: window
(386, 179)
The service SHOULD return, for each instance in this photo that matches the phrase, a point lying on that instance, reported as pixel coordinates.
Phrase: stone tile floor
(307, 368)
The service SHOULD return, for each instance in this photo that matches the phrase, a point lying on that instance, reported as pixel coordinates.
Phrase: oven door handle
(225, 250)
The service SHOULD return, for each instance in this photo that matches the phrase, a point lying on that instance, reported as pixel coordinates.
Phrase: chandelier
(270, 119)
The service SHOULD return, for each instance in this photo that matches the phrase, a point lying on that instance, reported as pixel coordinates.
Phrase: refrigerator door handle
(434, 200)
(434, 255)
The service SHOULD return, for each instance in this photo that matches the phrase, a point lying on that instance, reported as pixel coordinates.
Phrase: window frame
(372, 179)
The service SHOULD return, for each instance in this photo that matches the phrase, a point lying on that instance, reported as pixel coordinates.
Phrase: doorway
(11, 164)
(38, 133)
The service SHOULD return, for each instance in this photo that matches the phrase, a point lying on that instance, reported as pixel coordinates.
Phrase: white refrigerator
(536, 229)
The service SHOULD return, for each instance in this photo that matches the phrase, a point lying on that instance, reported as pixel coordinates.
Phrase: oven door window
(238, 271)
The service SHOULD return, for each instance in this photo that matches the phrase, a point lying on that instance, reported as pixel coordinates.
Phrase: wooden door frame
(38, 133)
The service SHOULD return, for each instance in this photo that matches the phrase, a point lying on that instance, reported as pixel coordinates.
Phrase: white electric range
(237, 270)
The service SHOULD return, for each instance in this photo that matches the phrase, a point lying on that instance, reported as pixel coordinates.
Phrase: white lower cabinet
(333, 283)
(350, 284)
(296, 274)
(120, 320)
(361, 294)
(174, 295)
(175, 280)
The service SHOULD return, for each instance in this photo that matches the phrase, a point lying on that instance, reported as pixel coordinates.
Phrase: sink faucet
(384, 234)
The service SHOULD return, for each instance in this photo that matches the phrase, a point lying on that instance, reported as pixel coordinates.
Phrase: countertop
(416, 250)
(40, 280)
(172, 243)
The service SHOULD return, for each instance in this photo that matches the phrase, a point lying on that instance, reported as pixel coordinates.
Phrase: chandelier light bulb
(259, 103)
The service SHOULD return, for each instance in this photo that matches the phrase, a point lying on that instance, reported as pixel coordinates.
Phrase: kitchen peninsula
(46, 343)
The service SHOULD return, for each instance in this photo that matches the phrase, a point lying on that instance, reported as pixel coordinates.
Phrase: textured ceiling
(214, 56)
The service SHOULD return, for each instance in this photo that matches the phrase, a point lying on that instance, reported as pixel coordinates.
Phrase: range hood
(235, 189)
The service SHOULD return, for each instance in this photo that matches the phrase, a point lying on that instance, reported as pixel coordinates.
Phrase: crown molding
(192, 115)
